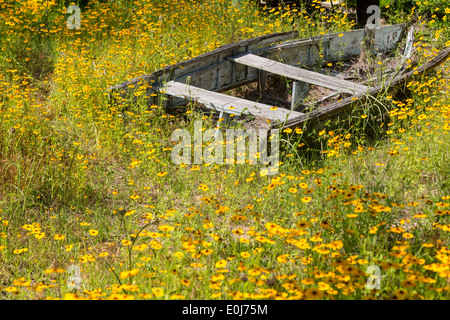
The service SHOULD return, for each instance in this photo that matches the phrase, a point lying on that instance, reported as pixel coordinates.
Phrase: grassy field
(89, 190)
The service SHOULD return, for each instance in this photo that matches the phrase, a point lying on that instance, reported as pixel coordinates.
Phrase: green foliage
(89, 183)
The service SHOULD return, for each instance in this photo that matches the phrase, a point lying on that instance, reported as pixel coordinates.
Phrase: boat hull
(215, 71)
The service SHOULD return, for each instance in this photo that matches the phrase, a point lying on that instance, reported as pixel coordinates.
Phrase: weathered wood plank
(345, 46)
(262, 81)
(294, 44)
(202, 61)
(300, 91)
(204, 73)
(229, 104)
(298, 73)
(386, 38)
(409, 48)
(333, 110)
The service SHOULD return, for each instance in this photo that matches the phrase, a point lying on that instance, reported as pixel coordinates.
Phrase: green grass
(89, 184)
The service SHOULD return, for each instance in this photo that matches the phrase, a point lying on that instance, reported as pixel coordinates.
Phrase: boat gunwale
(344, 105)
(218, 50)
(258, 45)
(271, 46)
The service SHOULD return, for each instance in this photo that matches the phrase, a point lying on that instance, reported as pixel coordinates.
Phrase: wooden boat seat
(234, 65)
(299, 74)
(228, 104)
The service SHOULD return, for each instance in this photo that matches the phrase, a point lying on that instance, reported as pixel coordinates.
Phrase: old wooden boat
(208, 78)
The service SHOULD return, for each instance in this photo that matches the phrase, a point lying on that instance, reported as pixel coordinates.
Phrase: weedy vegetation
(89, 184)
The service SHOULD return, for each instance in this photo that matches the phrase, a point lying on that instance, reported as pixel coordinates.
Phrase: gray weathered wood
(226, 103)
(215, 72)
(300, 92)
(294, 44)
(203, 69)
(386, 38)
(409, 45)
(407, 53)
(345, 46)
(300, 74)
(262, 81)
(201, 64)
(333, 110)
